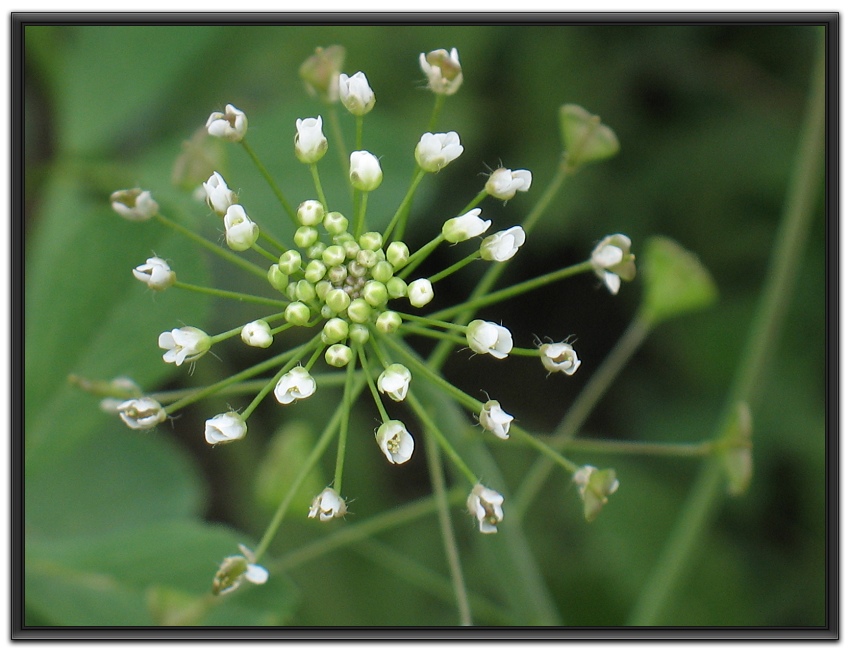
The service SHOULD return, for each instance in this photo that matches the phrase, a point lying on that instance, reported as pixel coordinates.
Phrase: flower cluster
(354, 293)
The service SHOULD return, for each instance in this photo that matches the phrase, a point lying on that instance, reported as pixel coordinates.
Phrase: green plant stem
(475, 255)
(347, 399)
(226, 294)
(478, 199)
(360, 216)
(358, 132)
(425, 332)
(317, 182)
(624, 447)
(404, 207)
(428, 321)
(266, 254)
(439, 101)
(336, 130)
(270, 180)
(419, 255)
(787, 253)
(245, 387)
(306, 468)
(229, 256)
(364, 363)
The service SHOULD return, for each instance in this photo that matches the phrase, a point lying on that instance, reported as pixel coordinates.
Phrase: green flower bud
(311, 213)
(334, 330)
(305, 291)
(337, 300)
(584, 137)
(371, 240)
(397, 287)
(382, 271)
(297, 313)
(277, 278)
(305, 236)
(338, 355)
(337, 274)
(356, 269)
(397, 254)
(375, 293)
(322, 289)
(351, 248)
(315, 252)
(388, 322)
(367, 258)
(326, 312)
(290, 261)
(335, 223)
(290, 290)
(358, 334)
(333, 255)
(359, 311)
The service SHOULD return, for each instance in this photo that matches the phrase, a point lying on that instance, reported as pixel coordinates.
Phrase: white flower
(234, 569)
(503, 245)
(365, 171)
(310, 142)
(487, 337)
(559, 356)
(495, 419)
(355, 93)
(257, 333)
(141, 413)
(294, 385)
(394, 381)
(612, 261)
(395, 442)
(435, 151)
(239, 231)
(594, 487)
(156, 274)
(443, 71)
(134, 204)
(225, 428)
(219, 197)
(184, 344)
(504, 183)
(420, 292)
(230, 125)
(327, 505)
(466, 226)
(486, 505)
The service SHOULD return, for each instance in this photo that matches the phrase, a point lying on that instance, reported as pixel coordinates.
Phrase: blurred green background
(127, 528)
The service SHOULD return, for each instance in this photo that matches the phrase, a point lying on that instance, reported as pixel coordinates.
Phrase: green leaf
(675, 281)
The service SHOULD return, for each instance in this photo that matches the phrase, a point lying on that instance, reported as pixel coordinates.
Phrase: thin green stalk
(215, 339)
(404, 207)
(211, 246)
(623, 447)
(360, 216)
(475, 255)
(424, 332)
(358, 133)
(226, 294)
(419, 255)
(799, 210)
(336, 130)
(347, 400)
(266, 254)
(270, 180)
(439, 101)
(372, 387)
(478, 199)
(314, 171)
(429, 321)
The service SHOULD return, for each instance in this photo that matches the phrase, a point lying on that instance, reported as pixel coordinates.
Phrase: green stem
(347, 399)
(419, 255)
(404, 207)
(424, 332)
(226, 294)
(619, 447)
(265, 253)
(360, 216)
(314, 171)
(439, 101)
(270, 180)
(358, 133)
(429, 321)
(478, 199)
(210, 246)
(801, 200)
(475, 255)
(336, 129)
(215, 339)
(372, 387)
(240, 388)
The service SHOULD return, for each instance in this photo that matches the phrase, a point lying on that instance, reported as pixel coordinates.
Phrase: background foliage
(123, 528)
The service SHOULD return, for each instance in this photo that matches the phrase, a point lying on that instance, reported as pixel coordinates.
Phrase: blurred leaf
(283, 459)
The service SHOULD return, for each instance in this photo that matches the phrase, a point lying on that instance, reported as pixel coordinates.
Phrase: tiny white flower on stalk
(184, 344)
(395, 442)
(443, 71)
(294, 385)
(487, 337)
(141, 413)
(234, 569)
(594, 487)
(310, 142)
(394, 381)
(420, 292)
(239, 231)
(257, 333)
(613, 261)
(466, 226)
(486, 505)
(365, 171)
(218, 196)
(355, 93)
(135, 204)
(504, 184)
(327, 505)
(230, 125)
(156, 274)
(559, 356)
(503, 245)
(225, 428)
(495, 419)
(435, 151)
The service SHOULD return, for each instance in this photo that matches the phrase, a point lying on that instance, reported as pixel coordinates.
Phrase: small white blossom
(141, 413)
(365, 171)
(395, 442)
(466, 226)
(486, 505)
(225, 428)
(612, 261)
(156, 274)
(294, 386)
(327, 505)
(230, 125)
(394, 381)
(184, 344)
(435, 151)
(239, 231)
(503, 245)
(134, 204)
(355, 93)
(495, 419)
(234, 569)
(420, 292)
(218, 196)
(487, 337)
(443, 71)
(504, 184)
(559, 356)
(310, 142)
(257, 333)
